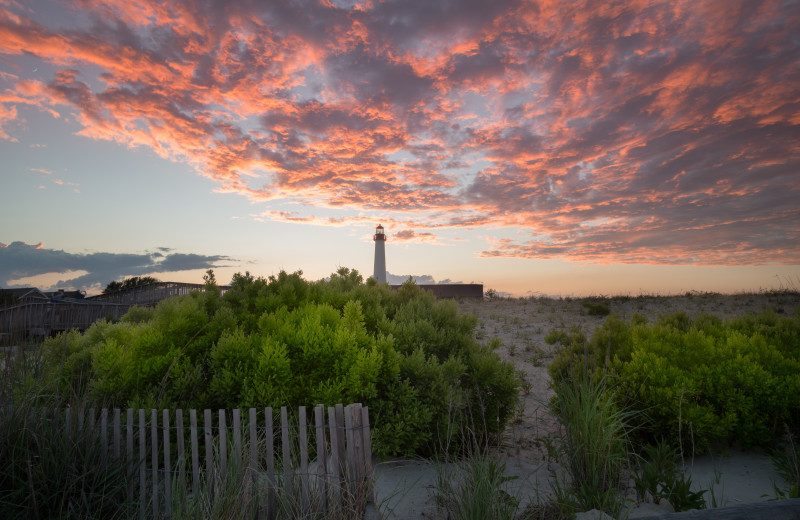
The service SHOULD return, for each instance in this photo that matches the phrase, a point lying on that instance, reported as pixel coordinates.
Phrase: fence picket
(167, 465)
(154, 455)
(116, 433)
(286, 450)
(358, 446)
(67, 424)
(195, 449)
(223, 446)
(253, 425)
(340, 439)
(237, 438)
(142, 462)
(252, 465)
(302, 432)
(334, 434)
(129, 452)
(91, 420)
(350, 456)
(103, 435)
(181, 455)
(319, 427)
(365, 434)
(270, 446)
(209, 451)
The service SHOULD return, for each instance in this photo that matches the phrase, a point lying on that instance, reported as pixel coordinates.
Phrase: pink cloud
(6, 114)
(657, 132)
(409, 235)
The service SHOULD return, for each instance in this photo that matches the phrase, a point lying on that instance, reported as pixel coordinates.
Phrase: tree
(129, 283)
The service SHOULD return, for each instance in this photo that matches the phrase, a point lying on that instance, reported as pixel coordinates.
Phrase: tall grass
(472, 484)
(594, 446)
(49, 469)
(475, 488)
(786, 461)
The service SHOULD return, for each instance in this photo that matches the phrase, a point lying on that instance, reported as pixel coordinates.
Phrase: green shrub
(703, 381)
(596, 307)
(284, 341)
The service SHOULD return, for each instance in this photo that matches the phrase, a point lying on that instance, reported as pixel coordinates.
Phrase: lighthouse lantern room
(380, 255)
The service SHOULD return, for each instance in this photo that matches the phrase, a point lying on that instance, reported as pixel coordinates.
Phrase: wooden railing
(150, 294)
(36, 320)
(40, 319)
(167, 450)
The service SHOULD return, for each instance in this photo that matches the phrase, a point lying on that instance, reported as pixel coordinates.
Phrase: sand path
(405, 487)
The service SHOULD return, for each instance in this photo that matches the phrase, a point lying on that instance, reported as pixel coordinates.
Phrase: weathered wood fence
(152, 293)
(37, 320)
(310, 463)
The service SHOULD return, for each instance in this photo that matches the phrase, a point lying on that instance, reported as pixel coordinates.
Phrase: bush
(284, 341)
(703, 381)
(596, 307)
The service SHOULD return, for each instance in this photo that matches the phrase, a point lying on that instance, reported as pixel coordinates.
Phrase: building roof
(25, 292)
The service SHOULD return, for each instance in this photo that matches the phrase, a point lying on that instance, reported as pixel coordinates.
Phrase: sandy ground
(405, 487)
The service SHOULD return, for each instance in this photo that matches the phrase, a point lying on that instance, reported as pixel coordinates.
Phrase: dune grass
(594, 446)
(52, 469)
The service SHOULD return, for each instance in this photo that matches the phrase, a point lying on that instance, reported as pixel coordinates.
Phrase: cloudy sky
(537, 147)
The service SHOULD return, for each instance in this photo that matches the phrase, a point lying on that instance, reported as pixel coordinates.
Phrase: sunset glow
(522, 145)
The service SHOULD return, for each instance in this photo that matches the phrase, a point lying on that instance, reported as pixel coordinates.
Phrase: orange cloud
(641, 131)
(409, 235)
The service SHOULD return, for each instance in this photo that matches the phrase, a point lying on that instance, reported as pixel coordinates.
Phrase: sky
(537, 147)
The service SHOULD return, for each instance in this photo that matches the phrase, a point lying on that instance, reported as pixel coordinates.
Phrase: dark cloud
(660, 132)
(20, 260)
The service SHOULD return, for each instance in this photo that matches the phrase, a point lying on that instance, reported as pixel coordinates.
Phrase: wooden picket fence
(164, 452)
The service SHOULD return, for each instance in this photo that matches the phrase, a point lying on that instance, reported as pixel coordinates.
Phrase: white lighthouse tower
(380, 255)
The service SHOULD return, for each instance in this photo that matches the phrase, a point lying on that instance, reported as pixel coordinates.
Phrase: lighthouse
(380, 255)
